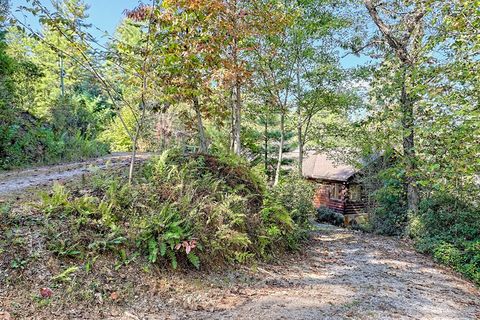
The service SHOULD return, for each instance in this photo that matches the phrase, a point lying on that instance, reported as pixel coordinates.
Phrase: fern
(173, 258)
(152, 250)
(163, 249)
(55, 201)
(65, 275)
(194, 260)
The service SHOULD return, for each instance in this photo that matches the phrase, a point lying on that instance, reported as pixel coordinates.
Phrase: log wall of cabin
(322, 198)
(344, 206)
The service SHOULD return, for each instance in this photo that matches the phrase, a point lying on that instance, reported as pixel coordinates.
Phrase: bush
(182, 209)
(327, 215)
(449, 229)
(390, 215)
(69, 135)
(296, 194)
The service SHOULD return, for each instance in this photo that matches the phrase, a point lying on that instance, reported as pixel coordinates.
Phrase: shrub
(296, 194)
(329, 216)
(449, 229)
(23, 144)
(69, 135)
(390, 215)
(181, 209)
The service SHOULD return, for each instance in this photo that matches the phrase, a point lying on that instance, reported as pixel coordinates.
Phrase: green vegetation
(38, 122)
(326, 215)
(449, 229)
(419, 114)
(181, 209)
(220, 90)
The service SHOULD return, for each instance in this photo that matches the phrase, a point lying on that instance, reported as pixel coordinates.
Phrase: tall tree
(243, 21)
(67, 20)
(314, 62)
(401, 23)
(192, 54)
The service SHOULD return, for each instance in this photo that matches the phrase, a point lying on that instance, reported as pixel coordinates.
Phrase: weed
(65, 275)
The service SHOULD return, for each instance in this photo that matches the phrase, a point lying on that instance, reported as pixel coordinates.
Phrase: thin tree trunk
(232, 120)
(135, 140)
(201, 130)
(134, 154)
(299, 123)
(144, 104)
(265, 136)
(409, 146)
(237, 128)
(280, 150)
(300, 143)
(237, 108)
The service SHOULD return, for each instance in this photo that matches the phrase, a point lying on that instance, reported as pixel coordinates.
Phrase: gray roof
(317, 165)
(326, 165)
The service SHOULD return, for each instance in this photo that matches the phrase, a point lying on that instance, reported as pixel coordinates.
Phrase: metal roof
(325, 165)
(317, 165)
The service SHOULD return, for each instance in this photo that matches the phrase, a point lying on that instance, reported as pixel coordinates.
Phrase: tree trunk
(265, 137)
(134, 154)
(280, 149)
(232, 120)
(237, 108)
(299, 122)
(237, 128)
(135, 141)
(202, 139)
(300, 144)
(409, 146)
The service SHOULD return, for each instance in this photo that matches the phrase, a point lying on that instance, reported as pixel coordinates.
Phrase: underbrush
(445, 227)
(68, 133)
(182, 210)
(31, 144)
(390, 216)
(449, 230)
(326, 215)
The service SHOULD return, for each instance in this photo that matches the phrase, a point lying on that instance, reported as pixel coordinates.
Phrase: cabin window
(355, 192)
(336, 191)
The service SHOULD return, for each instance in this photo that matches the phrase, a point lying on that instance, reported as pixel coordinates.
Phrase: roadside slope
(15, 181)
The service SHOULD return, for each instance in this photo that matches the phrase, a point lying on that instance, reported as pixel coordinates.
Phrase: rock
(46, 292)
(5, 315)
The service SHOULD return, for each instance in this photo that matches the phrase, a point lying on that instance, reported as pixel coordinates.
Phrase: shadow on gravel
(348, 275)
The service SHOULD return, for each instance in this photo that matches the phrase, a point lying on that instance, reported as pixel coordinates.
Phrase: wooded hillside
(215, 93)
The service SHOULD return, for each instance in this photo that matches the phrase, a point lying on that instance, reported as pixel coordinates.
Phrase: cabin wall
(355, 207)
(322, 198)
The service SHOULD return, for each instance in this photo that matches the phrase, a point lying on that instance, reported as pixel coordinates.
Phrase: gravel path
(12, 182)
(344, 275)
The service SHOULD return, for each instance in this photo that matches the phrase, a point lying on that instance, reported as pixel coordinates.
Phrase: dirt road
(341, 274)
(12, 182)
(344, 275)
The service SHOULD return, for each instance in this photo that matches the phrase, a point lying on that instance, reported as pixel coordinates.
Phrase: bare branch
(397, 45)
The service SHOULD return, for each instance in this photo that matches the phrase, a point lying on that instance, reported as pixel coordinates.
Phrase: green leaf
(152, 250)
(194, 260)
(163, 249)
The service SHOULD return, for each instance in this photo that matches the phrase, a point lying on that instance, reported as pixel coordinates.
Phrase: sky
(105, 15)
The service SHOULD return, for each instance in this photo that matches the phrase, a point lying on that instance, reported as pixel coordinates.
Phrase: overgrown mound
(181, 209)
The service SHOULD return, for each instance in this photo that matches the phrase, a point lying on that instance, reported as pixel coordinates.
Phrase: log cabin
(337, 185)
